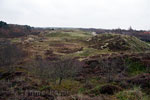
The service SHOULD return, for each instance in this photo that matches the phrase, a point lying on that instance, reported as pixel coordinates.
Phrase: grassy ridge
(117, 42)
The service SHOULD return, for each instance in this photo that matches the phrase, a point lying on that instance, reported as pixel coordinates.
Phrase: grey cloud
(77, 13)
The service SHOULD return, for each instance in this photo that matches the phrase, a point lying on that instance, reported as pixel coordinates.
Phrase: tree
(130, 28)
(66, 68)
(106, 64)
(39, 67)
(114, 67)
(3, 24)
(9, 53)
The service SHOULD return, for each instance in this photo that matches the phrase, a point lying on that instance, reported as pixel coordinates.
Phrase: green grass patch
(75, 35)
(86, 52)
(67, 85)
(133, 94)
(15, 40)
(135, 67)
(45, 87)
(57, 34)
(95, 91)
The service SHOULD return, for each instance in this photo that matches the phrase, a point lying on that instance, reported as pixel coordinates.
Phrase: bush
(109, 89)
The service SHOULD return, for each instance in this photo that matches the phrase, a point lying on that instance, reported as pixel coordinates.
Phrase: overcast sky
(77, 13)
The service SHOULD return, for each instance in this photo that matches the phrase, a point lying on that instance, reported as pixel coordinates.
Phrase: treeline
(12, 30)
(141, 34)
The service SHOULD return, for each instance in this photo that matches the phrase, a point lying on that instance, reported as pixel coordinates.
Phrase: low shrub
(133, 94)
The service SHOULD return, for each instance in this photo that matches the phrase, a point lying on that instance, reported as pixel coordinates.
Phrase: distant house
(147, 33)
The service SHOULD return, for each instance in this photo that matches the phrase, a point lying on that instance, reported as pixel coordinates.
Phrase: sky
(108, 14)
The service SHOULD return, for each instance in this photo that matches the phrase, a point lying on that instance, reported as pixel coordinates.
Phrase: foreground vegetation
(70, 64)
